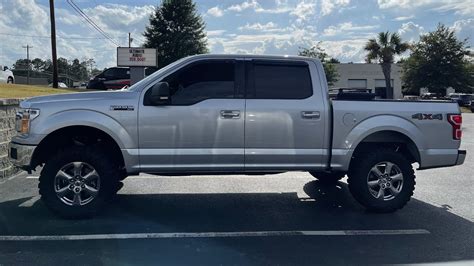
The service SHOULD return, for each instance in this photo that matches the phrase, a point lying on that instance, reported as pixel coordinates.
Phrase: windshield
(154, 75)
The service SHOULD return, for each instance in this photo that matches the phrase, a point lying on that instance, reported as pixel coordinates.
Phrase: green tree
(176, 30)
(439, 61)
(316, 51)
(38, 64)
(383, 49)
(21, 64)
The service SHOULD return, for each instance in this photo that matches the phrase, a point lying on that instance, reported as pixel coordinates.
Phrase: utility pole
(53, 44)
(28, 62)
(130, 40)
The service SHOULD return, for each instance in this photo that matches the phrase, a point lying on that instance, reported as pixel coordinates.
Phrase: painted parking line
(215, 235)
(148, 176)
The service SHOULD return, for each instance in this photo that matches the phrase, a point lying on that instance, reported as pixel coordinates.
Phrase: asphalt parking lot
(276, 219)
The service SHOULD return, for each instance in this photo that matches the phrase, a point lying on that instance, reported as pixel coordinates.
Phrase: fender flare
(87, 118)
(382, 123)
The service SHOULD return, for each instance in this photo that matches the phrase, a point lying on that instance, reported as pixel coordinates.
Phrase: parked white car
(6, 75)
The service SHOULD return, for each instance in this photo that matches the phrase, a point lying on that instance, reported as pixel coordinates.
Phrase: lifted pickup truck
(220, 114)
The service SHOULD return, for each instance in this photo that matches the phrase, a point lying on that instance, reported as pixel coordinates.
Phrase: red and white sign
(136, 56)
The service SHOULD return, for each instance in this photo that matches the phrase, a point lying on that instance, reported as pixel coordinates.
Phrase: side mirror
(160, 94)
(5, 68)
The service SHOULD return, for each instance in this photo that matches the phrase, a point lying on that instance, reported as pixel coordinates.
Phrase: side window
(201, 81)
(124, 73)
(281, 81)
(110, 73)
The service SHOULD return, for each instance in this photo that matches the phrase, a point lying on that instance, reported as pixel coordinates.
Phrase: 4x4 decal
(421, 116)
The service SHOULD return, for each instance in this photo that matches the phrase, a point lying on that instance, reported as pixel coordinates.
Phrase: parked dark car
(472, 106)
(461, 99)
(113, 78)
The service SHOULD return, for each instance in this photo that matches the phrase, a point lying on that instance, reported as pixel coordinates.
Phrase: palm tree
(383, 49)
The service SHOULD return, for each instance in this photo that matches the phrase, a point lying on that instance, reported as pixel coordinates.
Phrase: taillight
(456, 122)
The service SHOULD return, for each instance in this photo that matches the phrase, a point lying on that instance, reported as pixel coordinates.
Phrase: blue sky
(234, 26)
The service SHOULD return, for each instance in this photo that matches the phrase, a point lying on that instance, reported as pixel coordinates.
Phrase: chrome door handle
(310, 115)
(229, 114)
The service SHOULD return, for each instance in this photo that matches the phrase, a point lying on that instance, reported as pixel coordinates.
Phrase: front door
(284, 124)
(202, 128)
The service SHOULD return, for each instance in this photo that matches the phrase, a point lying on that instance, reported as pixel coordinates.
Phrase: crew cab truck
(221, 114)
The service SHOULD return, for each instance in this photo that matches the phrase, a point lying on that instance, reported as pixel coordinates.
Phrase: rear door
(284, 120)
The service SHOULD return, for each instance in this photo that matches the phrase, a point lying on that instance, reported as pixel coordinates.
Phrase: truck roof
(251, 56)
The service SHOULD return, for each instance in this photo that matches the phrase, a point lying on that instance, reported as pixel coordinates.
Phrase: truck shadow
(325, 208)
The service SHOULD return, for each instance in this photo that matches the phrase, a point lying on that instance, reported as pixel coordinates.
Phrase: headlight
(24, 118)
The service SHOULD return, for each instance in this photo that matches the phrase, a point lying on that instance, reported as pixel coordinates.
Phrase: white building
(368, 76)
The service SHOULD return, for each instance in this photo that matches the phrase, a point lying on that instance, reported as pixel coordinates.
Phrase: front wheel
(10, 80)
(382, 181)
(78, 181)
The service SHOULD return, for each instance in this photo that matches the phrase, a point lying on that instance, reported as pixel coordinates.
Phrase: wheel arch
(387, 130)
(76, 135)
(389, 138)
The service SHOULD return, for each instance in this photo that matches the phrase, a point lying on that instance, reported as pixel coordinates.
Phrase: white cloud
(403, 18)
(253, 4)
(258, 26)
(281, 7)
(107, 16)
(464, 29)
(12, 21)
(410, 32)
(270, 39)
(347, 28)
(384, 4)
(304, 10)
(461, 7)
(213, 33)
(215, 12)
(346, 50)
(327, 6)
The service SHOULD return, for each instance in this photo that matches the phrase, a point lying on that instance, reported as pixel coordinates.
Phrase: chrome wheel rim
(385, 181)
(77, 184)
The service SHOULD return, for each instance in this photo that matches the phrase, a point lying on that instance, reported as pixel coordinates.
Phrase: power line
(49, 37)
(91, 22)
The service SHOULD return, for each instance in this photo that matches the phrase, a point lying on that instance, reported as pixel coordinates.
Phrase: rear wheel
(10, 80)
(328, 178)
(382, 181)
(78, 181)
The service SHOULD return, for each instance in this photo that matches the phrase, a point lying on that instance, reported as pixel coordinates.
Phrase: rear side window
(117, 73)
(281, 81)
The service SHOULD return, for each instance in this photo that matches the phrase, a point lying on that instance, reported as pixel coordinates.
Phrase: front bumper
(21, 155)
(461, 157)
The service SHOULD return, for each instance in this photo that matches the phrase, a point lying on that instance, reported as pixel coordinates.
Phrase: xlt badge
(122, 108)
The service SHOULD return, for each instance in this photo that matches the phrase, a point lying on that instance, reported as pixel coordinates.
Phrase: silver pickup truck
(221, 114)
